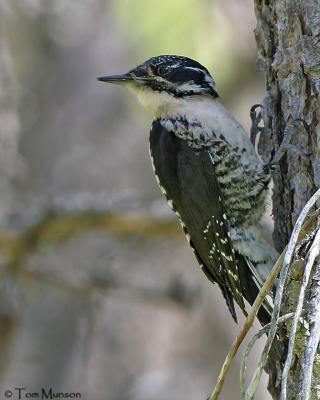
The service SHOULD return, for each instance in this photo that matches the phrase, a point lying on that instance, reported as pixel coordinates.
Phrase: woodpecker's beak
(137, 76)
(116, 79)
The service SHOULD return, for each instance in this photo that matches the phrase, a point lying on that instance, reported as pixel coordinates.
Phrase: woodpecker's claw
(256, 118)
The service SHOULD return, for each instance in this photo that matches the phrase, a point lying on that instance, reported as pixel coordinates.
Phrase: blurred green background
(99, 292)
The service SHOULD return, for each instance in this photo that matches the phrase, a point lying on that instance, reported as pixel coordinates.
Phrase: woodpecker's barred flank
(209, 173)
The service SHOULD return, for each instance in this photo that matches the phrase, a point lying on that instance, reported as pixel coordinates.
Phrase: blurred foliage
(53, 229)
(199, 29)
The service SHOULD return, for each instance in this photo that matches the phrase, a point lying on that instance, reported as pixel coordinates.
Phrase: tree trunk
(288, 40)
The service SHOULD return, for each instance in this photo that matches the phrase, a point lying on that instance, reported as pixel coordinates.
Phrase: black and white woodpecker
(208, 171)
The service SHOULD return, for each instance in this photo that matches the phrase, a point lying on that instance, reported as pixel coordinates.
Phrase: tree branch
(297, 233)
(314, 251)
(246, 327)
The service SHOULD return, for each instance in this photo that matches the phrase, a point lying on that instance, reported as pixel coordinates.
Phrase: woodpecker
(209, 172)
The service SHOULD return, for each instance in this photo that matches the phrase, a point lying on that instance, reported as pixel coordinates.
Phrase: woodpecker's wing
(202, 211)
(187, 178)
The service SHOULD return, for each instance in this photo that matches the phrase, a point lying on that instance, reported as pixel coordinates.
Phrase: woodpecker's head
(164, 80)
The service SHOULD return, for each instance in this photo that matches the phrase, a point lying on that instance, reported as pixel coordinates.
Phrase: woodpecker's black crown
(177, 75)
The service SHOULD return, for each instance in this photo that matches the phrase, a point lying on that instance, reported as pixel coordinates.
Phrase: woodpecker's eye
(163, 70)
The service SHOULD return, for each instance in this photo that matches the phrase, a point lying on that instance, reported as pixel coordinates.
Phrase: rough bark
(288, 40)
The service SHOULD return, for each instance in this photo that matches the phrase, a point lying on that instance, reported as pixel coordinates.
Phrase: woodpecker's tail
(250, 287)
(230, 303)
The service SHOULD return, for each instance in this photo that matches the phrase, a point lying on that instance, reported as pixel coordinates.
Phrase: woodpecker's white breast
(212, 115)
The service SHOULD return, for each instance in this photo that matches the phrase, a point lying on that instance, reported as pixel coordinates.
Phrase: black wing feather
(187, 178)
(202, 210)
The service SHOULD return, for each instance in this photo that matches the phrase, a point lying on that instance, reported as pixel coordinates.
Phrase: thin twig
(246, 327)
(278, 299)
(250, 345)
(313, 253)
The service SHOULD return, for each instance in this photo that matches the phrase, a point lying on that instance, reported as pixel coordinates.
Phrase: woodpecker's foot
(257, 127)
(256, 118)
